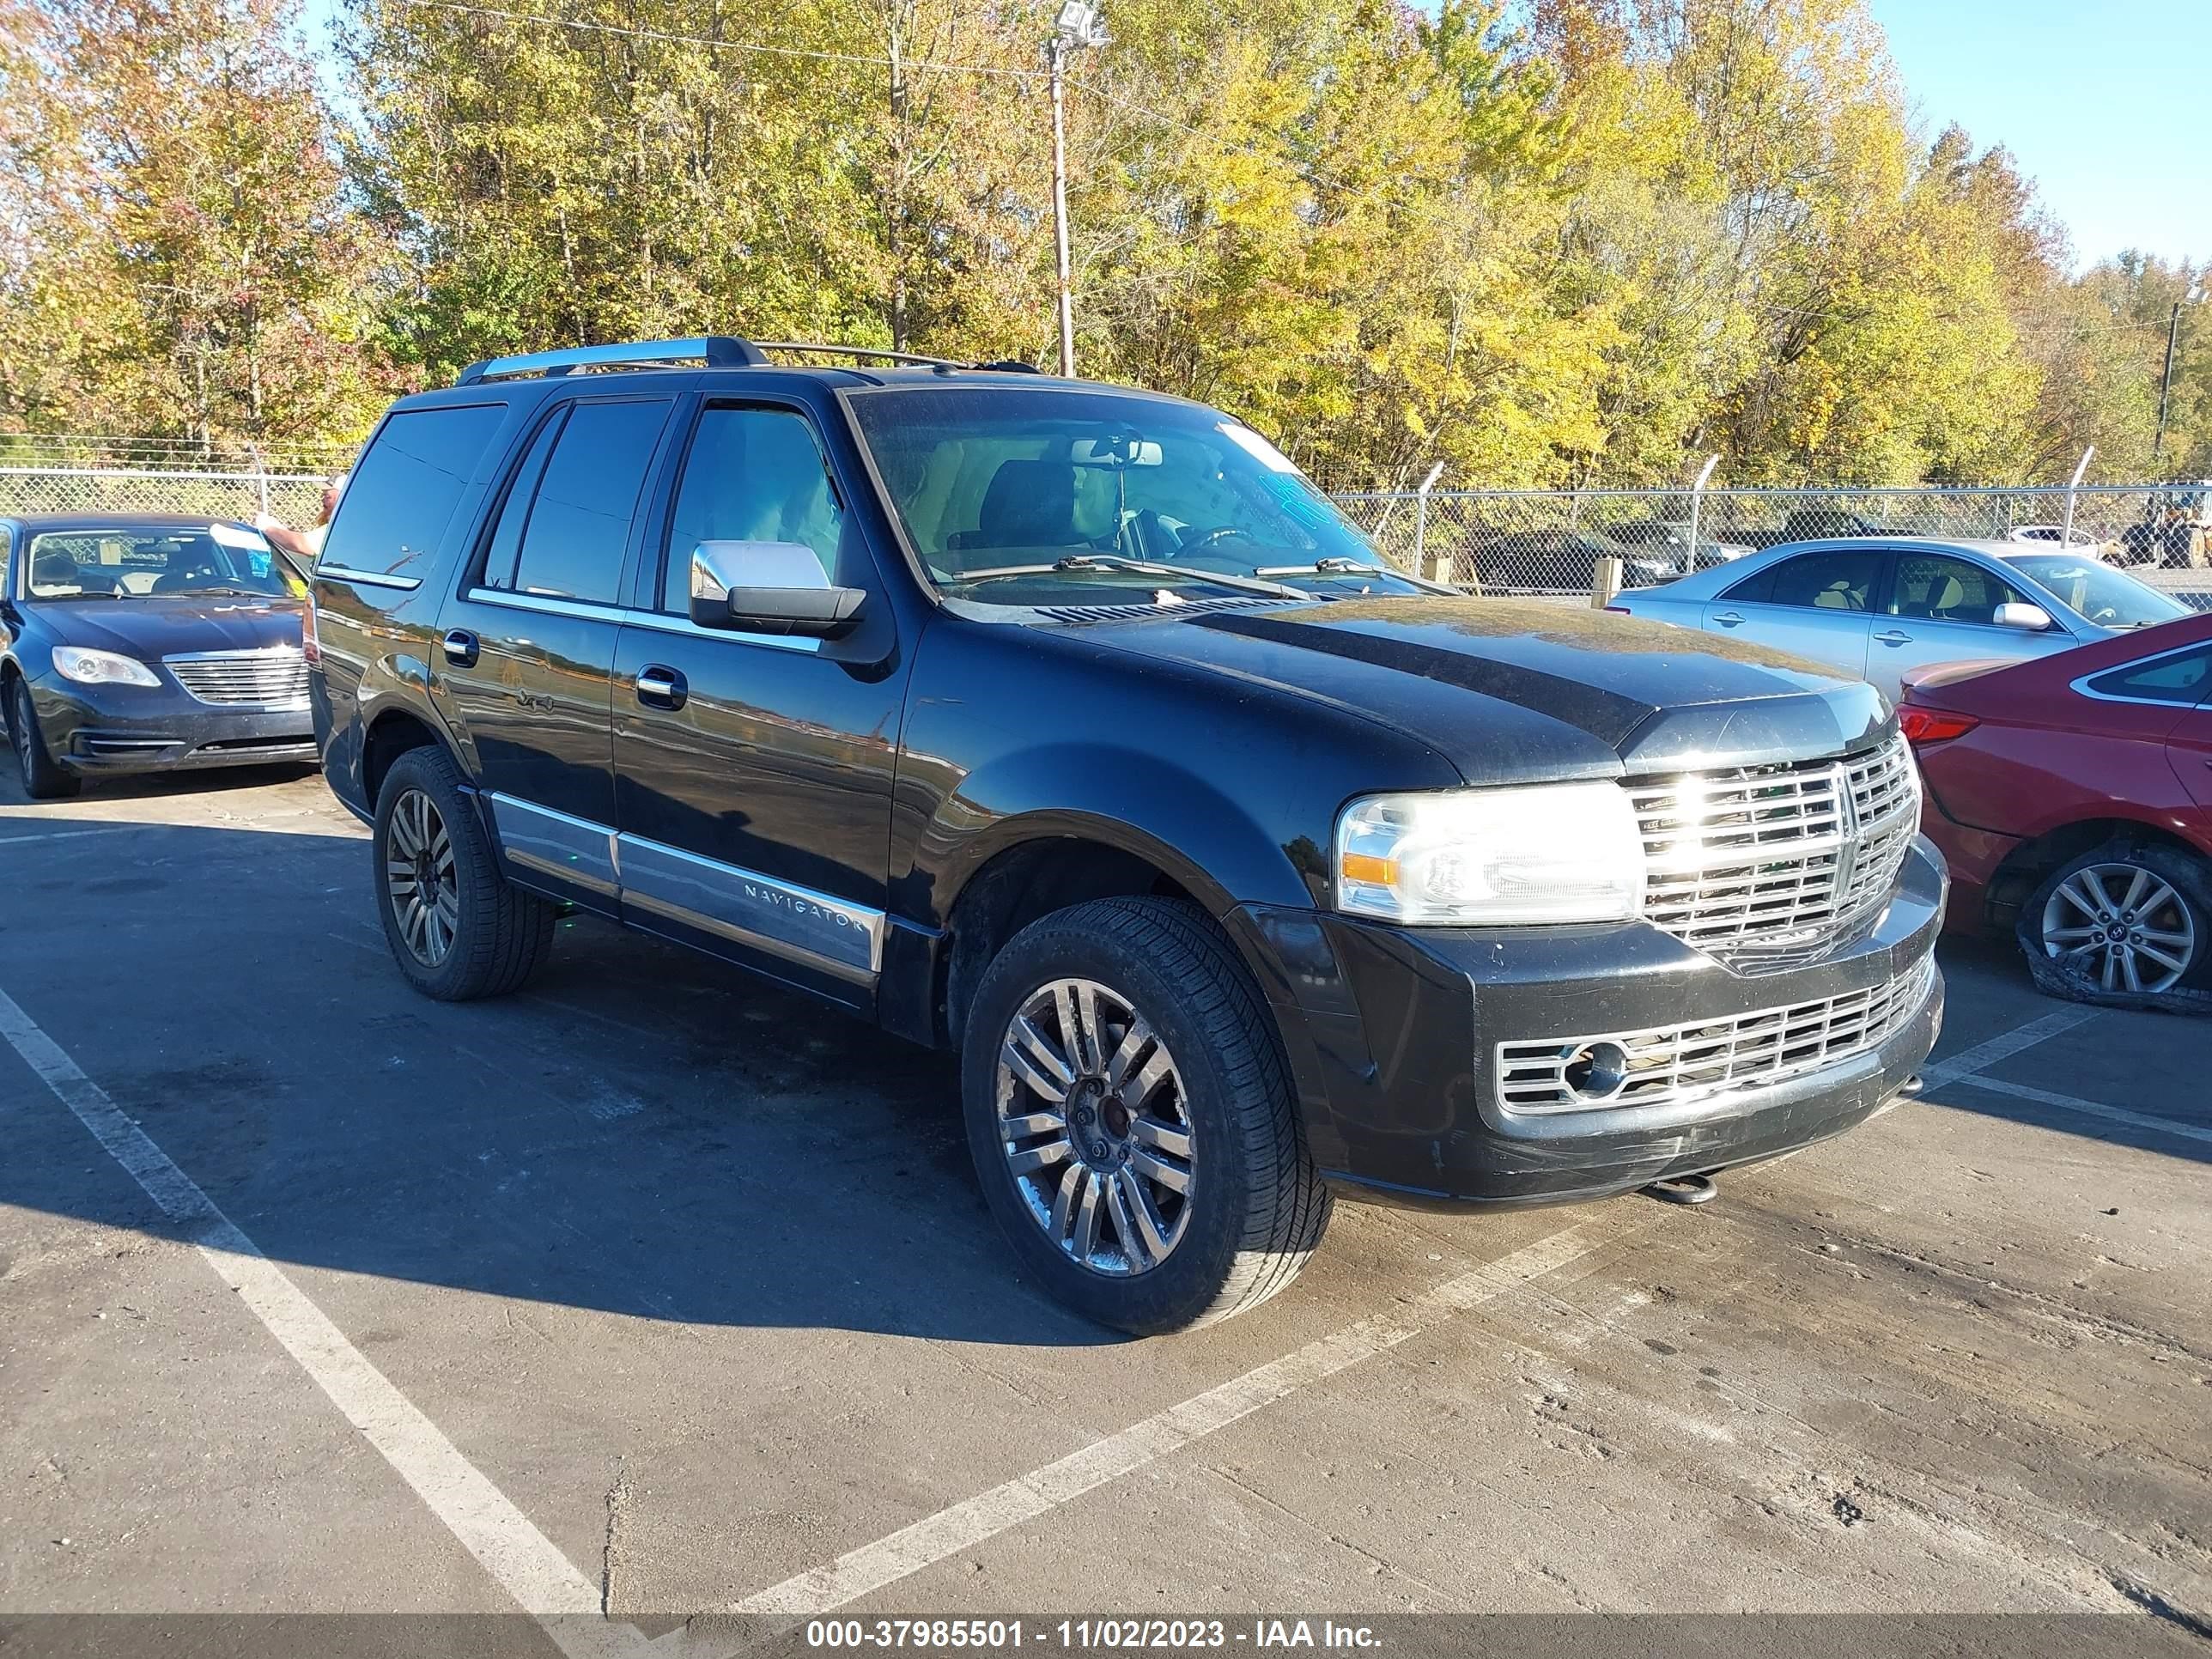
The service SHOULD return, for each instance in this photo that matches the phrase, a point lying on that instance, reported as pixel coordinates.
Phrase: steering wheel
(1206, 538)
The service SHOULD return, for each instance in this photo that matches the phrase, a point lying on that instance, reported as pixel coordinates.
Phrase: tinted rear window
(2184, 677)
(579, 526)
(402, 496)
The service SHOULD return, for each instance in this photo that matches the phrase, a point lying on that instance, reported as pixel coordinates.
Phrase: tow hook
(1682, 1189)
(1911, 1088)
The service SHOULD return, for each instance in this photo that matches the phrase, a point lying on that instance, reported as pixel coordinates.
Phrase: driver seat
(1026, 504)
(57, 570)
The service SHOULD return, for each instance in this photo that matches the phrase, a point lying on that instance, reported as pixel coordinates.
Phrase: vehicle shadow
(150, 786)
(645, 1131)
(2142, 1059)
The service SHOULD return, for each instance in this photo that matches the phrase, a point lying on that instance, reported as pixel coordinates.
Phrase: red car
(2073, 796)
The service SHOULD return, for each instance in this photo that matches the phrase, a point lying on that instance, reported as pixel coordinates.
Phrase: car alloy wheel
(2125, 925)
(419, 880)
(1093, 1124)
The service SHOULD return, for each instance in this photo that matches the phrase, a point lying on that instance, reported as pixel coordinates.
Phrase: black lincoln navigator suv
(1070, 725)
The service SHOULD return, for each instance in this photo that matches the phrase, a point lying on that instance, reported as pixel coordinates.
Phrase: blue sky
(2108, 104)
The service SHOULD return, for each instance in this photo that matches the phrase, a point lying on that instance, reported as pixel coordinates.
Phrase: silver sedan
(1879, 606)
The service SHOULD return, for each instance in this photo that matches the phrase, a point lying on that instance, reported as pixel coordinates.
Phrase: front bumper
(102, 729)
(1392, 1035)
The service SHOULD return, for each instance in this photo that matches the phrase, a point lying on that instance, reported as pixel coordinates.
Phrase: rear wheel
(458, 928)
(43, 779)
(1131, 1121)
(2123, 922)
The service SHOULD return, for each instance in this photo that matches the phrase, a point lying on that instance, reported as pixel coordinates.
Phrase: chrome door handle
(460, 648)
(1727, 618)
(661, 687)
(1895, 637)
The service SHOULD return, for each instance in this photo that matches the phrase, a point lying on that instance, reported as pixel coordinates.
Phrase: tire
(1251, 1208)
(475, 934)
(2120, 906)
(44, 778)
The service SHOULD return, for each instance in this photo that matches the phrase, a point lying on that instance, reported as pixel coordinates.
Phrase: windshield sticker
(1256, 446)
(231, 535)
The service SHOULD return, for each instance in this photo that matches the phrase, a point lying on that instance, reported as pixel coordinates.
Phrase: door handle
(661, 687)
(1895, 636)
(460, 648)
(1727, 618)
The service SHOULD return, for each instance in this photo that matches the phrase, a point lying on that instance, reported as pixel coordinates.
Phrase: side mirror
(769, 587)
(2032, 617)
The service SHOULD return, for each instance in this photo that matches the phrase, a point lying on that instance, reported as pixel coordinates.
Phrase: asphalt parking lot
(653, 1293)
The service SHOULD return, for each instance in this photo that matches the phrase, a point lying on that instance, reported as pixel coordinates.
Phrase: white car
(2049, 534)
(1880, 605)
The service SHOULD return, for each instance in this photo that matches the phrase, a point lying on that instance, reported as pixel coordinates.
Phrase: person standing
(305, 545)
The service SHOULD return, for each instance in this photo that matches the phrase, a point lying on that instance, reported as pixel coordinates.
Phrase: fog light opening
(1597, 1072)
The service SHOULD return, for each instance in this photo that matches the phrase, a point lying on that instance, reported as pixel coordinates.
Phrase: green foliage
(1591, 246)
(185, 261)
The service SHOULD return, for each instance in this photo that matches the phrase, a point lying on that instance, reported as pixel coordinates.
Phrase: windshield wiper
(213, 594)
(1078, 561)
(1335, 564)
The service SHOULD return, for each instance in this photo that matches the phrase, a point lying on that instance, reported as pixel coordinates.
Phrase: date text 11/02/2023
(1086, 1634)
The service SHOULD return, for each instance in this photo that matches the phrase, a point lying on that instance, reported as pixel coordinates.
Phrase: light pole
(1077, 24)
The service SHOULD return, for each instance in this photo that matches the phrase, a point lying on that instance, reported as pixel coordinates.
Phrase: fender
(1207, 842)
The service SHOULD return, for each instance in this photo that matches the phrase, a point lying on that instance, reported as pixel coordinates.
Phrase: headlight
(1551, 853)
(74, 662)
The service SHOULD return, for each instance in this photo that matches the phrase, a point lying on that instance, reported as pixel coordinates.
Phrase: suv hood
(1514, 692)
(152, 628)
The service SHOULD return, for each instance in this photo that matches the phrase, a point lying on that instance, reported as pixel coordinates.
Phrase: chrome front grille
(1771, 857)
(1670, 1064)
(273, 678)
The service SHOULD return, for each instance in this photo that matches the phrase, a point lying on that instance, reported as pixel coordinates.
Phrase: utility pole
(1077, 24)
(2166, 380)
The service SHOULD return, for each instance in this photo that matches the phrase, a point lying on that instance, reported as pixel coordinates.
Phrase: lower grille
(1668, 1064)
(274, 678)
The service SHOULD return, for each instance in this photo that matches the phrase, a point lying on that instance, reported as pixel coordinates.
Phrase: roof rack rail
(715, 350)
(810, 348)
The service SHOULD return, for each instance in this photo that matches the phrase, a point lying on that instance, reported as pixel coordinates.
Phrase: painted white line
(523, 1560)
(72, 835)
(2164, 1126)
(946, 1534)
(1982, 1055)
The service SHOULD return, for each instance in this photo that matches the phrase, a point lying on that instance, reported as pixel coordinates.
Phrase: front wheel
(44, 778)
(1131, 1120)
(456, 927)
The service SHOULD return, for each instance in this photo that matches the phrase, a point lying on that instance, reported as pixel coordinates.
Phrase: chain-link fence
(1508, 541)
(1552, 542)
(294, 498)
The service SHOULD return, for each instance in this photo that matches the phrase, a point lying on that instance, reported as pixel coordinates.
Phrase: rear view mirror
(2018, 614)
(1128, 450)
(768, 587)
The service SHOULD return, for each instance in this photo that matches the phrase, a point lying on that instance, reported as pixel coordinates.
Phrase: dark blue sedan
(137, 642)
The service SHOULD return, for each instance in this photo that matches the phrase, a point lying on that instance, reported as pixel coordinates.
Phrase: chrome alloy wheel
(418, 878)
(1093, 1122)
(2124, 923)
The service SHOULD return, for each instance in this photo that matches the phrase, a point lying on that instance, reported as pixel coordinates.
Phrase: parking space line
(2164, 1126)
(1982, 1055)
(978, 1519)
(72, 835)
(524, 1562)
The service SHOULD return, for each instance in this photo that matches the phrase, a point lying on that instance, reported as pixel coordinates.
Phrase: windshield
(157, 562)
(2108, 598)
(1032, 490)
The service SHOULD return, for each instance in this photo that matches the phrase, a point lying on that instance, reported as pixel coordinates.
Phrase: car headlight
(1548, 853)
(74, 662)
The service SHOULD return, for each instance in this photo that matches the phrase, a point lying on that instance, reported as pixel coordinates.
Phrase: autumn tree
(185, 259)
